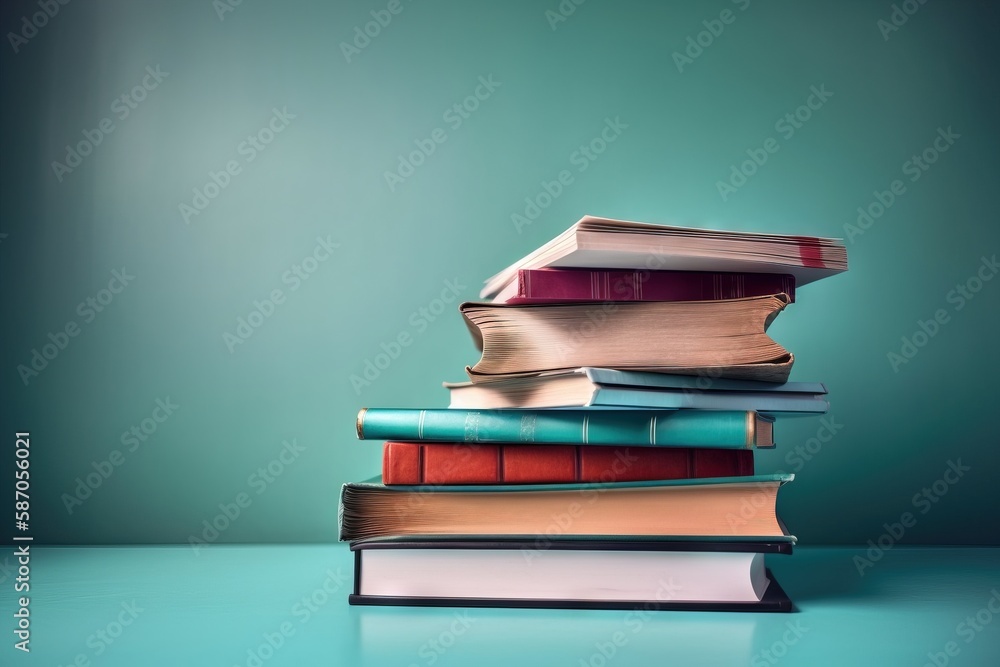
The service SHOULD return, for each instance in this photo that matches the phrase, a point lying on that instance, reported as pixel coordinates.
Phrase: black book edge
(774, 600)
(776, 547)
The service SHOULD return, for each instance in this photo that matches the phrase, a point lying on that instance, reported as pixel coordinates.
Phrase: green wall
(320, 181)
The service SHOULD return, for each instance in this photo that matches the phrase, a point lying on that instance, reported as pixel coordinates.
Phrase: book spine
(446, 463)
(653, 428)
(675, 399)
(562, 285)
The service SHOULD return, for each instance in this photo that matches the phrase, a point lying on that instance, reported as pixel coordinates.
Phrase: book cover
(712, 509)
(611, 376)
(661, 575)
(652, 428)
(568, 285)
(574, 389)
(775, 600)
(437, 463)
(603, 243)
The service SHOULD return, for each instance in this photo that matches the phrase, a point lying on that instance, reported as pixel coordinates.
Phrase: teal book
(721, 508)
(717, 429)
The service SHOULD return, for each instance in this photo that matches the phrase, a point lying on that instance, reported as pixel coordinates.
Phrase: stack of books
(602, 455)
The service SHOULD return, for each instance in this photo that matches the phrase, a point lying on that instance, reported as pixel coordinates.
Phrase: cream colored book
(603, 243)
(725, 338)
(688, 508)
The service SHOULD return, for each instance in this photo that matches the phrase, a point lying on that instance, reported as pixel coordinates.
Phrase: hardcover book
(721, 508)
(603, 243)
(705, 382)
(567, 285)
(647, 428)
(591, 574)
(419, 463)
(607, 388)
(722, 338)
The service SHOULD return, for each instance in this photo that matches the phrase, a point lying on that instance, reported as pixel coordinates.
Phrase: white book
(560, 574)
(612, 389)
(603, 243)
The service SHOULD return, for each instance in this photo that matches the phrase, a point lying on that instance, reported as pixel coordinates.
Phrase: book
(645, 428)
(656, 575)
(607, 388)
(603, 243)
(726, 338)
(566, 285)
(702, 382)
(729, 508)
(438, 463)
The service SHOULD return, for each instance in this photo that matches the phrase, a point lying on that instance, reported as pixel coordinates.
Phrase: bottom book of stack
(568, 574)
(694, 544)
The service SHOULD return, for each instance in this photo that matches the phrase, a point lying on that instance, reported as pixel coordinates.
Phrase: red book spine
(562, 285)
(446, 463)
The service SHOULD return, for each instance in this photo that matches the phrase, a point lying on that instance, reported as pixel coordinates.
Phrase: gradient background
(451, 220)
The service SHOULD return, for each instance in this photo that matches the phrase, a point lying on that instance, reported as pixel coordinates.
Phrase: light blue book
(612, 376)
(608, 388)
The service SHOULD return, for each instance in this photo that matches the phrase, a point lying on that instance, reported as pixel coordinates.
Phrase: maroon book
(573, 285)
(471, 463)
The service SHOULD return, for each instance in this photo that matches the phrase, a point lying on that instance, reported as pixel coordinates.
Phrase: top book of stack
(602, 243)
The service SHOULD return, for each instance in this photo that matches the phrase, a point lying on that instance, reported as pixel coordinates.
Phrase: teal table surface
(262, 606)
